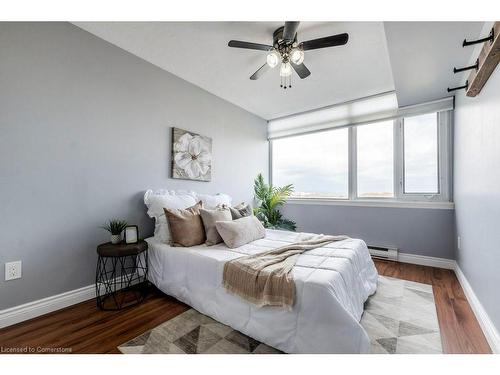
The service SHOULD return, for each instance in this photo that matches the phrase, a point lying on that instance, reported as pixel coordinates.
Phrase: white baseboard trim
(489, 330)
(426, 261)
(30, 310)
(43, 306)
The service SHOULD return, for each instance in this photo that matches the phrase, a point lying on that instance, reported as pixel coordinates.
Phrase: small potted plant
(115, 227)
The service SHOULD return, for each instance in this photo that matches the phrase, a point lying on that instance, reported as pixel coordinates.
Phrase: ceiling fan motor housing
(283, 47)
(278, 38)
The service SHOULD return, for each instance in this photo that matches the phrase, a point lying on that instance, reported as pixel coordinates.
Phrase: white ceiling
(423, 55)
(198, 53)
(413, 58)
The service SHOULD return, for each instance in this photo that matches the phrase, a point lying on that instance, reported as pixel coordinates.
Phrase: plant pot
(116, 238)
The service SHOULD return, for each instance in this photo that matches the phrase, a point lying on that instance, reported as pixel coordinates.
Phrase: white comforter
(332, 284)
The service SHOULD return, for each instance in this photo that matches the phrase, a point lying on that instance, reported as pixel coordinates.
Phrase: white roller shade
(371, 109)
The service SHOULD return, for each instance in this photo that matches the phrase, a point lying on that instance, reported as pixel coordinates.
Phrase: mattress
(332, 284)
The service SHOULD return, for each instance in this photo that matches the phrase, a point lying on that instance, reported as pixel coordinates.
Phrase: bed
(332, 284)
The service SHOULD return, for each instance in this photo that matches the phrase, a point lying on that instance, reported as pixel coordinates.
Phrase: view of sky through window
(316, 164)
(375, 157)
(421, 154)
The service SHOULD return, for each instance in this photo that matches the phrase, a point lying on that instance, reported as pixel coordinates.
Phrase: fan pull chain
(286, 81)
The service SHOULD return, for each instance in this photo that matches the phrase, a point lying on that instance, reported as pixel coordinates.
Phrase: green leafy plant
(270, 198)
(115, 226)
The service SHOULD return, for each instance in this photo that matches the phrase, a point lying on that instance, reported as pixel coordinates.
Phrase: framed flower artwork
(191, 156)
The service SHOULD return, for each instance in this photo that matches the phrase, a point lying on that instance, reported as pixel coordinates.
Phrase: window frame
(354, 141)
(444, 128)
(444, 159)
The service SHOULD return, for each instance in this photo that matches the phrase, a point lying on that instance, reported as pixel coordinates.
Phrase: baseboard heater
(383, 252)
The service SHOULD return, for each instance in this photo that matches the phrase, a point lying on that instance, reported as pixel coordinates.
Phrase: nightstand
(121, 275)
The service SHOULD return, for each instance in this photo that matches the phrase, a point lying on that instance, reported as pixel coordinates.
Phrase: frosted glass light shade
(285, 70)
(297, 56)
(273, 59)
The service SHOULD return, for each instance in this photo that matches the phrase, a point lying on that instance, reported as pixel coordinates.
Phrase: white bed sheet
(332, 284)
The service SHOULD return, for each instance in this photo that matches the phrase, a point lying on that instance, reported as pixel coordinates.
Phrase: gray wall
(477, 192)
(84, 130)
(418, 231)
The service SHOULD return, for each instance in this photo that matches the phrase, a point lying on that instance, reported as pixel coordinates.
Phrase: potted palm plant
(270, 198)
(115, 227)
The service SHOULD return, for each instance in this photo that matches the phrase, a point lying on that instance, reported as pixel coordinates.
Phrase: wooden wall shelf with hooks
(489, 57)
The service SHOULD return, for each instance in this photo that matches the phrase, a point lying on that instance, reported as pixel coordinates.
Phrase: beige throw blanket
(265, 278)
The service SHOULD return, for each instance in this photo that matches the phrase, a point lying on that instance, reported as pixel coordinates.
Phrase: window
(421, 154)
(405, 159)
(316, 164)
(375, 159)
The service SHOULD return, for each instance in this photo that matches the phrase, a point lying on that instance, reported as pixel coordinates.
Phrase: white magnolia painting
(191, 156)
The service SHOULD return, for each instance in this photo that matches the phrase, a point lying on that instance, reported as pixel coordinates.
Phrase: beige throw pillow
(186, 227)
(241, 231)
(209, 217)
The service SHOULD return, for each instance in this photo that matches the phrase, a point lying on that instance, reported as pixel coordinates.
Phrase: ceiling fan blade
(260, 72)
(249, 45)
(301, 70)
(290, 30)
(329, 41)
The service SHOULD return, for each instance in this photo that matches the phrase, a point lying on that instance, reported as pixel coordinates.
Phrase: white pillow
(157, 200)
(210, 202)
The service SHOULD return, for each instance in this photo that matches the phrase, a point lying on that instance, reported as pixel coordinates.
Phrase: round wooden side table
(121, 275)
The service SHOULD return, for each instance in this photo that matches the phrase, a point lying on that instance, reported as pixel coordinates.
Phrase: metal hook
(475, 66)
(482, 40)
(466, 86)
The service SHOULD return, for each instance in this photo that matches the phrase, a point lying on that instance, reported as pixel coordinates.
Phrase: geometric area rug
(399, 318)
(194, 333)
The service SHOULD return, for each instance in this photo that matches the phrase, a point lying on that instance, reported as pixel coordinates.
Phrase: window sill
(371, 203)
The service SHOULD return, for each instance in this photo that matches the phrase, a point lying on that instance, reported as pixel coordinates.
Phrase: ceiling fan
(287, 51)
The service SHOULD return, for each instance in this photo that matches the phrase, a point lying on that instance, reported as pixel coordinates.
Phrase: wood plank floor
(460, 331)
(84, 329)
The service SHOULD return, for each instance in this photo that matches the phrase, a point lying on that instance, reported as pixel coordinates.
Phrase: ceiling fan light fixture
(287, 52)
(273, 59)
(285, 70)
(297, 56)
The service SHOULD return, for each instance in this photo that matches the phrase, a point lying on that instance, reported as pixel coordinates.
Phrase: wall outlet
(13, 270)
(459, 243)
